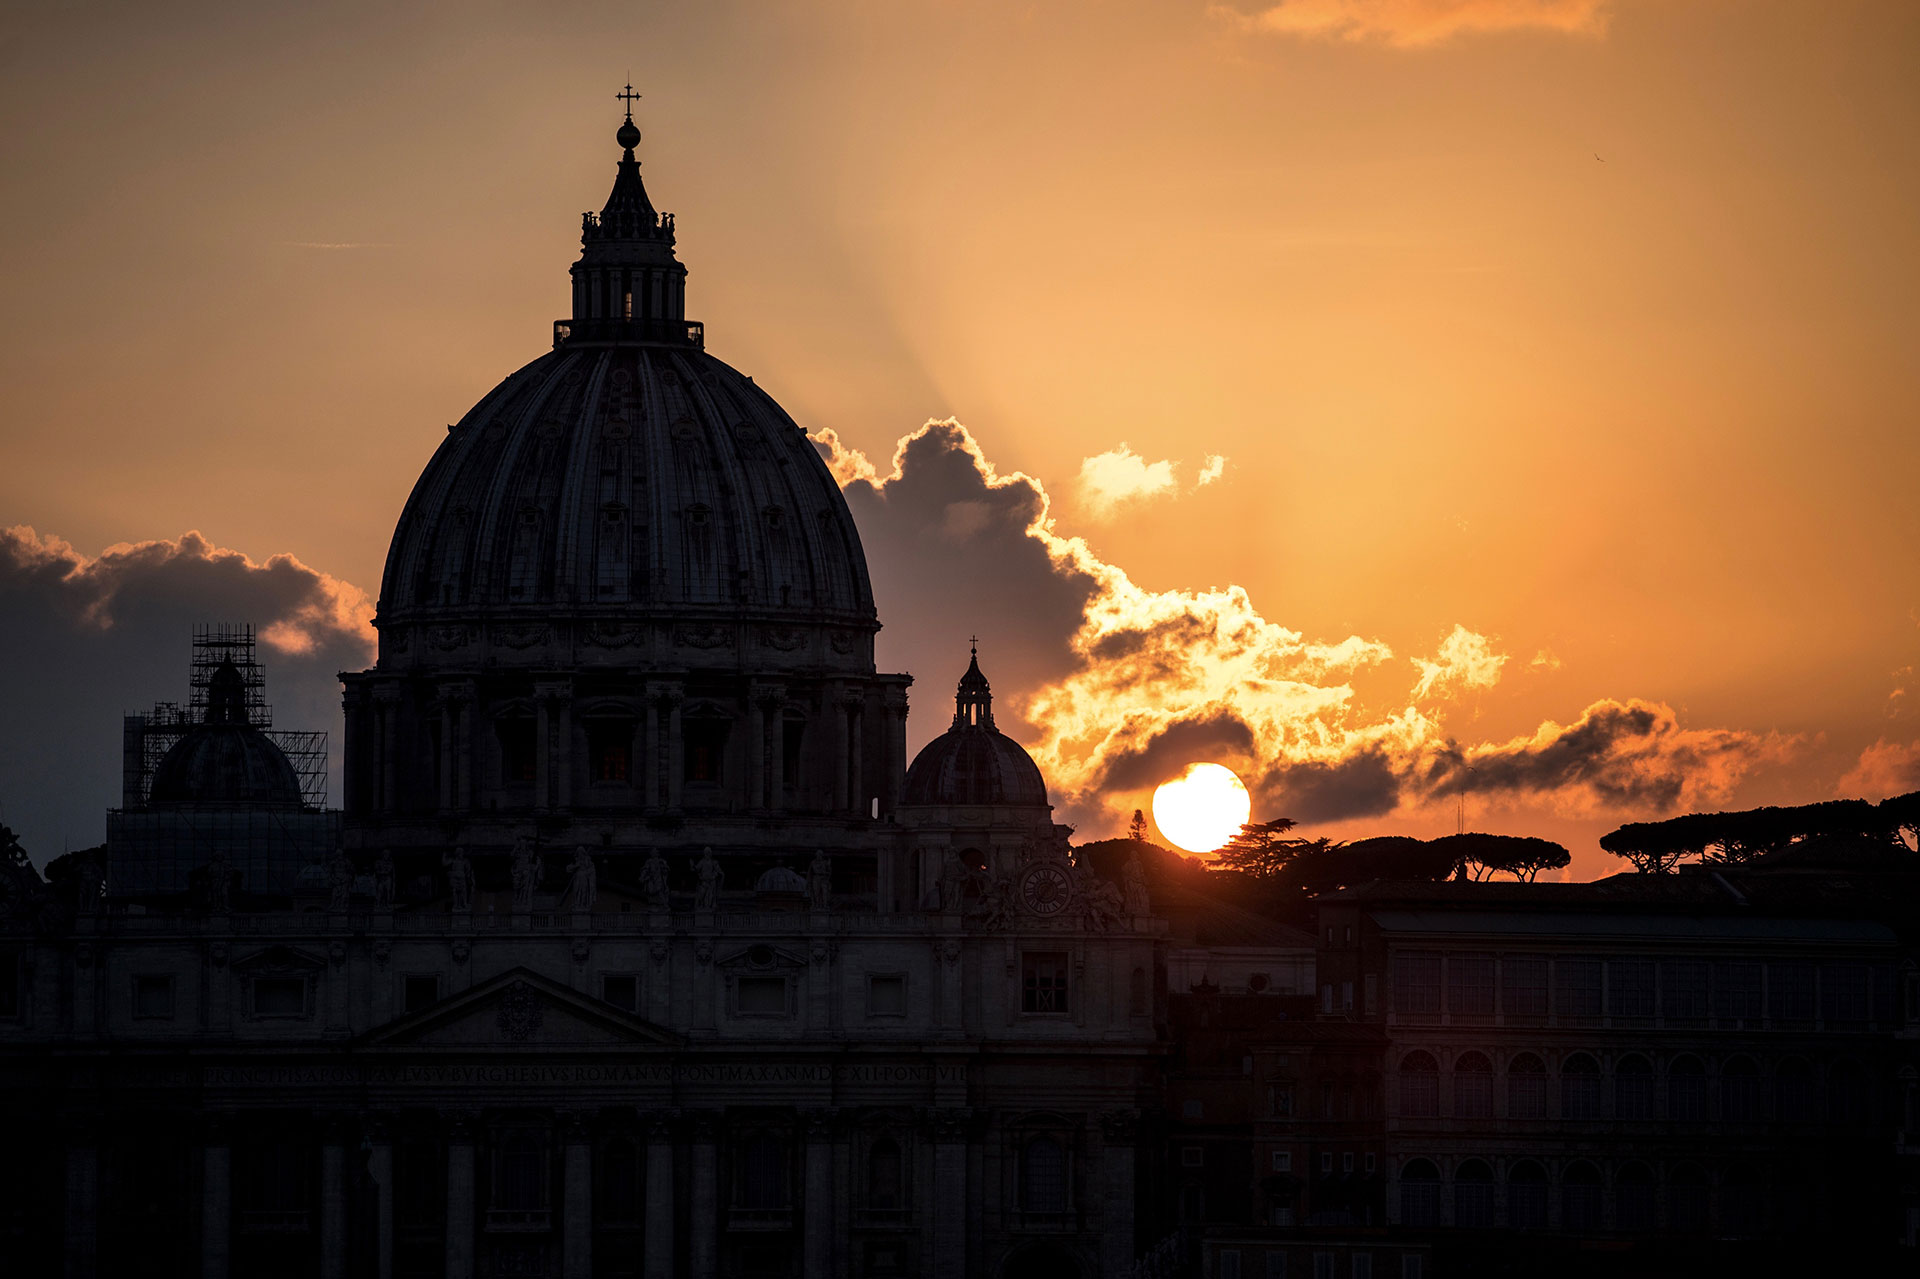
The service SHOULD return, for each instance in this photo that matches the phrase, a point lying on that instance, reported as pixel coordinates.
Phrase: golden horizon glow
(1203, 808)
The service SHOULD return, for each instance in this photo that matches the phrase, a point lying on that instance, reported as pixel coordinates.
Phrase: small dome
(973, 762)
(225, 763)
(780, 880)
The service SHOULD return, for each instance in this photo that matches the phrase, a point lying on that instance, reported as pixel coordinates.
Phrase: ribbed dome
(973, 762)
(615, 479)
(225, 764)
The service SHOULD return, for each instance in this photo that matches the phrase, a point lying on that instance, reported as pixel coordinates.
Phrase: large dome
(973, 762)
(610, 479)
(625, 477)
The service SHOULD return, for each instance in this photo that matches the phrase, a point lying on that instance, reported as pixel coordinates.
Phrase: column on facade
(216, 1200)
(896, 772)
(445, 754)
(83, 1200)
(333, 1205)
(563, 747)
(463, 751)
(380, 1170)
(856, 756)
(460, 1200)
(842, 737)
(674, 754)
(576, 1205)
(542, 753)
(756, 749)
(658, 1262)
(1118, 1132)
(949, 1205)
(777, 748)
(387, 710)
(704, 1230)
(817, 1233)
(652, 749)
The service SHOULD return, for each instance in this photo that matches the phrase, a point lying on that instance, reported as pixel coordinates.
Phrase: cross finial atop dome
(629, 133)
(973, 700)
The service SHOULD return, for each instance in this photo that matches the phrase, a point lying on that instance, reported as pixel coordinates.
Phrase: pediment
(760, 958)
(279, 959)
(519, 1009)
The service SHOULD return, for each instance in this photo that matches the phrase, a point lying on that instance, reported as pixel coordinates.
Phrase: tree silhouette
(1482, 856)
(1261, 849)
(1137, 828)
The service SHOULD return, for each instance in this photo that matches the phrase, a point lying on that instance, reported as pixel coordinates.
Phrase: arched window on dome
(612, 562)
(523, 560)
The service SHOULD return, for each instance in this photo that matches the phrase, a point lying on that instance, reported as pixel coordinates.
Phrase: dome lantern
(628, 286)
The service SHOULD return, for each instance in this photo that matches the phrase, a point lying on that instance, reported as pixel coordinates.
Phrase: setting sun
(1202, 808)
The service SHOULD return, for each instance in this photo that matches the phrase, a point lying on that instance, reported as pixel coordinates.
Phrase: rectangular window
(1283, 1161)
(1192, 1109)
(1229, 1263)
(1470, 986)
(516, 734)
(1416, 985)
(1043, 982)
(762, 996)
(1276, 1264)
(1362, 1265)
(1790, 991)
(1412, 1266)
(706, 741)
(1369, 1164)
(1346, 1161)
(1326, 1163)
(1280, 1100)
(1684, 984)
(887, 995)
(1579, 988)
(1322, 1265)
(1346, 996)
(279, 996)
(1523, 991)
(153, 998)
(1630, 988)
(610, 750)
(419, 992)
(1843, 993)
(622, 990)
(1736, 992)
(1193, 1157)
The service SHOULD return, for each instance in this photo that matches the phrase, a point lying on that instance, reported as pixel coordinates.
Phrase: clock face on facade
(1044, 890)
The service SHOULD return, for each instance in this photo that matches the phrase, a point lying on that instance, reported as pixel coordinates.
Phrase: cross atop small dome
(973, 700)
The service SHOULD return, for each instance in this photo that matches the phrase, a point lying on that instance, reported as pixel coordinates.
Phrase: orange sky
(1587, 327)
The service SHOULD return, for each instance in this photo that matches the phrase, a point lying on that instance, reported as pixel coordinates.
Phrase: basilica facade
(638, 948)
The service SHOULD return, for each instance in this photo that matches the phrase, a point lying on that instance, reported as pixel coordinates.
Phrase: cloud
(1114, 687)
(1884, 768)
(1119, 476)
(1465, 661)
(1211, 469)
(90, 638)
(1407, 23)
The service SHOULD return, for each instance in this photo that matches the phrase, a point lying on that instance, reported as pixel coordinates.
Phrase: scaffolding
(149, 737)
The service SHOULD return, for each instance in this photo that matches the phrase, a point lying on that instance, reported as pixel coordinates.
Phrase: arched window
(1419, 1086)
(1794, 1081)
(762, 1185)
(1846, 1093)
(1634, 1199)
(1527, 1196)
(884, 1190)
(1580, 1197)
(1740, 1091)
(1743, 1201)
(1473, 1086)
(1419, 1194)
(619, 1182)
(1633, 1088)
(1043, 1176)
(1473, 1195)
(1526, 1087)
(1687, 1193)
(1580, 1087)
(1686, 1090)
